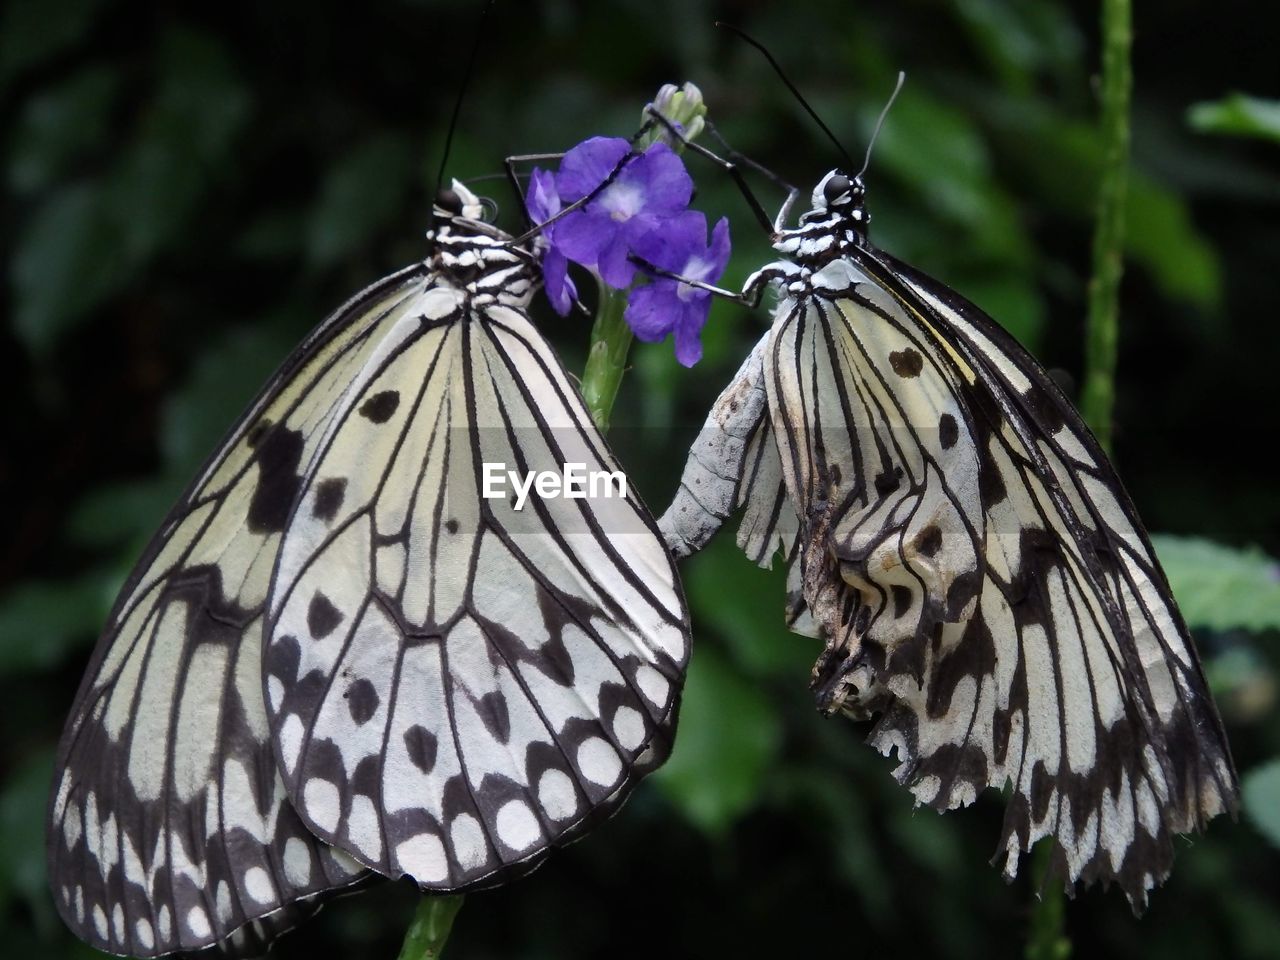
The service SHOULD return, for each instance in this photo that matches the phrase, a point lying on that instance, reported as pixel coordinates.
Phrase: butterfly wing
(984, 582)
(456, 685)
(169, 828)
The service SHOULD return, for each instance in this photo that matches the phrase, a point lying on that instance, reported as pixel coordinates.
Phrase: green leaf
(750, 615)
(727, 740)
(66, 262)
(41, 622)
(119, 513)
(90, 240)
(1221, 587)
(57, 127)
(1237, 115)
(33, 30)
(22, 806)
(220, 388)
(1261, 794)
(361, 195)
(1161, 236)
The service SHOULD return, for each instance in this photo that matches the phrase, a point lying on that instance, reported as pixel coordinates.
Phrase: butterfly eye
(837, 186)
(448, 201)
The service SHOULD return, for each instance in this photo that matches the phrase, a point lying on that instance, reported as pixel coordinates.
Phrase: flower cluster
(640, 214)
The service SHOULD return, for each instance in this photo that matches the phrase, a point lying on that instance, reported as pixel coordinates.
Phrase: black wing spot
(901, 600)
(1044, 409)
(329, 496)
(991, 486)
(421, 746)
(928, 541)
(906, 363)
(492, 708)
(380, 406)
(362, 701)
(887, 481)
(322, 616)
(279, 452)
(948, 431)
(451, 525)
(254, 436)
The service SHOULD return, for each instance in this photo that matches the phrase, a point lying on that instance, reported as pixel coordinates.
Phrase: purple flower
(648, 191)
(543, 203)
(666, 306)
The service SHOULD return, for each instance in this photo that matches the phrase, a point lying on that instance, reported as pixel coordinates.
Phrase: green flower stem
(427, 933)
(607, 357)
(1102, 333)
(1046, 938)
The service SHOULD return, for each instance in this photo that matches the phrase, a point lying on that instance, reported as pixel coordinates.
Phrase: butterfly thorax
(487, 268)
(834, 227)
(474, 256)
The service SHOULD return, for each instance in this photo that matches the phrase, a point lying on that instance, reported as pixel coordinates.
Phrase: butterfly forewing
(965, 550)
(170, 828)
(456, 684)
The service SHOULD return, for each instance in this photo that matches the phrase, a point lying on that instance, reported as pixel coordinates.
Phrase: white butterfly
(338, 654)
(961, 544)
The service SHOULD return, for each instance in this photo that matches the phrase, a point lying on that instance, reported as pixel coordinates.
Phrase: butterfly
(342, 655)
(959, 541)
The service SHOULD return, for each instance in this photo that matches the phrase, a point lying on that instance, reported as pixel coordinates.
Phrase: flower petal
(718, 252)
(582, 234)
(668, 186)
(542, 200)
(613, 263)
(652, 310)
(587, 165)
(672, 241)
(688, 330)
(560, 288)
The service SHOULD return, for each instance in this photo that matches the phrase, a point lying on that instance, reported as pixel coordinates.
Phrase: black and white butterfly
(958, 539)
(339, 655)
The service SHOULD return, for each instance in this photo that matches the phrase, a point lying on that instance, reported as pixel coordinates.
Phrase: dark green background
(185, 193)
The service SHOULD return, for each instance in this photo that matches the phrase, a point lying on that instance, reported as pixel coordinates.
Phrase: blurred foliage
(1261, 791)
(1238, 115)
(1219, 587)
(187, 191)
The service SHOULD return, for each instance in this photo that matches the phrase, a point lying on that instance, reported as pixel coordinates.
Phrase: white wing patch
(463, 684)
(979, 577)
(171, 830)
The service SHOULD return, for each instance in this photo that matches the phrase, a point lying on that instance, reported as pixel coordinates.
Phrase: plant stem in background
(427, 933)
(1102, 333)
(607, 357)
(1046, 938)
(606, 362)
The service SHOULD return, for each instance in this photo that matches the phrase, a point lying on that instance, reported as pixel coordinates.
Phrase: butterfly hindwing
(456, 685)
(169, 827)
(1071, 574)
(963, 547)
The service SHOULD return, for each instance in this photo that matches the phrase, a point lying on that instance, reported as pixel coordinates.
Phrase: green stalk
(427, 933)
(606, 363)
(1046, 937)
(607, 356)
(1102, 334)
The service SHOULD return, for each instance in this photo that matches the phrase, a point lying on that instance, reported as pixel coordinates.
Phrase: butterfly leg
(730, 165)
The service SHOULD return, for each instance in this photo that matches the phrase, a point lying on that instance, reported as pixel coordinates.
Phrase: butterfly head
(456, 202)
(840, 194)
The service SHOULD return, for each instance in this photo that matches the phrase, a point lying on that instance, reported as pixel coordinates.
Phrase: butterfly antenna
(866, 162)
(457, 104)
(795, 92)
